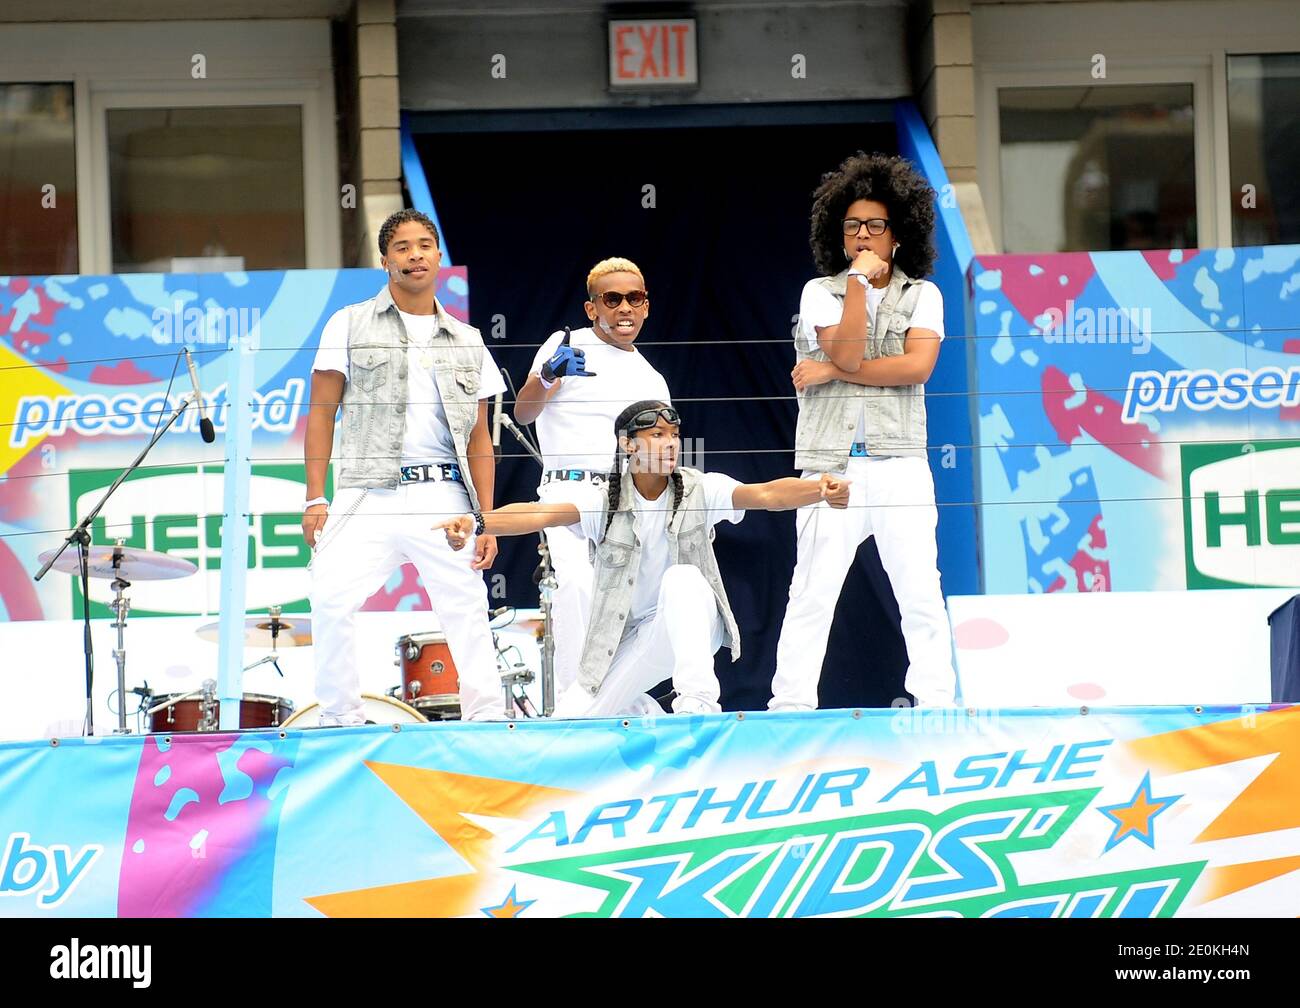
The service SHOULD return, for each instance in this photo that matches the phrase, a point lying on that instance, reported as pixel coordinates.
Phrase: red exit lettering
(651, 51)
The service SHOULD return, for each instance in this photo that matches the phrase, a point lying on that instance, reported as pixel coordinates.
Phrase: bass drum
(379, 709)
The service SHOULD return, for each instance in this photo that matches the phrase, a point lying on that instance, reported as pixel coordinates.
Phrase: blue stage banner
(1153, 812)
(1139, 419)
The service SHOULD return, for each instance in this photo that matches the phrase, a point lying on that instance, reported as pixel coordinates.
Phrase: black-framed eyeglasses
(876, 226)
(648, 418)
(612, 299)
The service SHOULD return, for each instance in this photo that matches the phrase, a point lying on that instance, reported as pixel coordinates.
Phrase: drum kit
(429, 689)
(430, 685)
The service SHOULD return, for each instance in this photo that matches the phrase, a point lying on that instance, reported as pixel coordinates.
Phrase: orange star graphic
(1136, 817)
(510, 908)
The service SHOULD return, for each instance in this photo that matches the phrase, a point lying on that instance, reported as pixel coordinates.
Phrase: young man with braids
(414, 384)
(577, 386)
(659, 607)
(868, 340)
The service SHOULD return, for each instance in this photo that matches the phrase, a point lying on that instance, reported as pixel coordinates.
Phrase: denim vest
(618, 558)
(374, 399)
(894, 418)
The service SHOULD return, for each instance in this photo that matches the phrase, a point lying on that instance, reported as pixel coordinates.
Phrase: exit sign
(652, 53)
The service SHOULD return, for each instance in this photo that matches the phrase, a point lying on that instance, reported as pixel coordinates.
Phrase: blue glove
(566, 362)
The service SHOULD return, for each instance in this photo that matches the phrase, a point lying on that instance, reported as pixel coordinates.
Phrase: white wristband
(545, 384)
(862, 278)
(314, 501)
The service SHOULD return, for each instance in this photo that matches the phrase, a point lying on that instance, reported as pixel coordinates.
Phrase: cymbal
(126, 562)
(292, 632)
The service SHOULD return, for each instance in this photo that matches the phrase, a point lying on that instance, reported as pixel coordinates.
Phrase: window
(1264, 148)
(1097, 168)
(206, 188)
(38, 180)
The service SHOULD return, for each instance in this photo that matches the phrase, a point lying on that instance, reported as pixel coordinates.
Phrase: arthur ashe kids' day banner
(1135, 813)
(1139, 414)
(84, 365)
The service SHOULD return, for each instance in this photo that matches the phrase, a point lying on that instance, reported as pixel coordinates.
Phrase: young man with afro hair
(867, 341)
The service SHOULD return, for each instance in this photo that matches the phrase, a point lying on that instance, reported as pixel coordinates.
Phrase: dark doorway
(717, 217)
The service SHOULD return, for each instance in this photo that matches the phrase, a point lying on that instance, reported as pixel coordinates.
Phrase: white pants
(679, 640)
(354, 557)
(571, 600)
(892, 499)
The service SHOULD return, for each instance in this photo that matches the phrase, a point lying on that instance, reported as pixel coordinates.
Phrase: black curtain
(718, 220)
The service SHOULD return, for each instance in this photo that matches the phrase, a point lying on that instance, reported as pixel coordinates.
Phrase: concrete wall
(558, 58)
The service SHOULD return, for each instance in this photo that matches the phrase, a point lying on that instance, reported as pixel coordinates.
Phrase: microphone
(206, 430)
(496, 423)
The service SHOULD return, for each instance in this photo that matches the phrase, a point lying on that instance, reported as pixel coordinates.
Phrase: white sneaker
(694, 705)
(490, 715)
(938, 700)
(786, 708)
(339, 721)
(642, 706)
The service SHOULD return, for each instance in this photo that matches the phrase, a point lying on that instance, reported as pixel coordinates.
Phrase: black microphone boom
(206, 430)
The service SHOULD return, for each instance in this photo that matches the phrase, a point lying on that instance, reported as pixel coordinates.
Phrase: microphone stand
(81, 536)
(544, 576)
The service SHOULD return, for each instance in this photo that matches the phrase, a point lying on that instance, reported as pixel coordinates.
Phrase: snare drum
(255, 711)
(430, 682)
(379, 709)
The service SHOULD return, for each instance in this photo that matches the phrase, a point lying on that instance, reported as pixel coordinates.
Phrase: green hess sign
(1241, 514)
(179, 512)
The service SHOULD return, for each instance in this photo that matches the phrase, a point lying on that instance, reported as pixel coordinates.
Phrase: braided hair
(615, 478)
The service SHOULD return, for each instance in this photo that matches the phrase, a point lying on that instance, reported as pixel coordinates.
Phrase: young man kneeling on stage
(659, 608)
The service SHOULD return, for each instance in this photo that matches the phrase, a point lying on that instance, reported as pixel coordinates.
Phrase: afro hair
(893, 181)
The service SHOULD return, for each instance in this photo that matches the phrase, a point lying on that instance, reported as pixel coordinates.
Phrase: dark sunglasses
(876, 226)
(648, 418)
(612, 299)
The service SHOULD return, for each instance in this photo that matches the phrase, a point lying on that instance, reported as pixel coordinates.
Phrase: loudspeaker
(1284, 631)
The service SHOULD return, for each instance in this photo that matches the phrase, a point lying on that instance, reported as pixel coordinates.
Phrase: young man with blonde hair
(578, 384)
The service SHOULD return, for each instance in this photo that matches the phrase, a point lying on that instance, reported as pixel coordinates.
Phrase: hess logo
(1242, 514)
(180, 513)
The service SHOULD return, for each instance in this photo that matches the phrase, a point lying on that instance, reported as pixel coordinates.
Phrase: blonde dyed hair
(614, 265)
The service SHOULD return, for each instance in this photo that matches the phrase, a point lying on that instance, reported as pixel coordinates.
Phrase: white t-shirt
(576, 429)
(651, 524)
(427, 437)
(818, 307)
